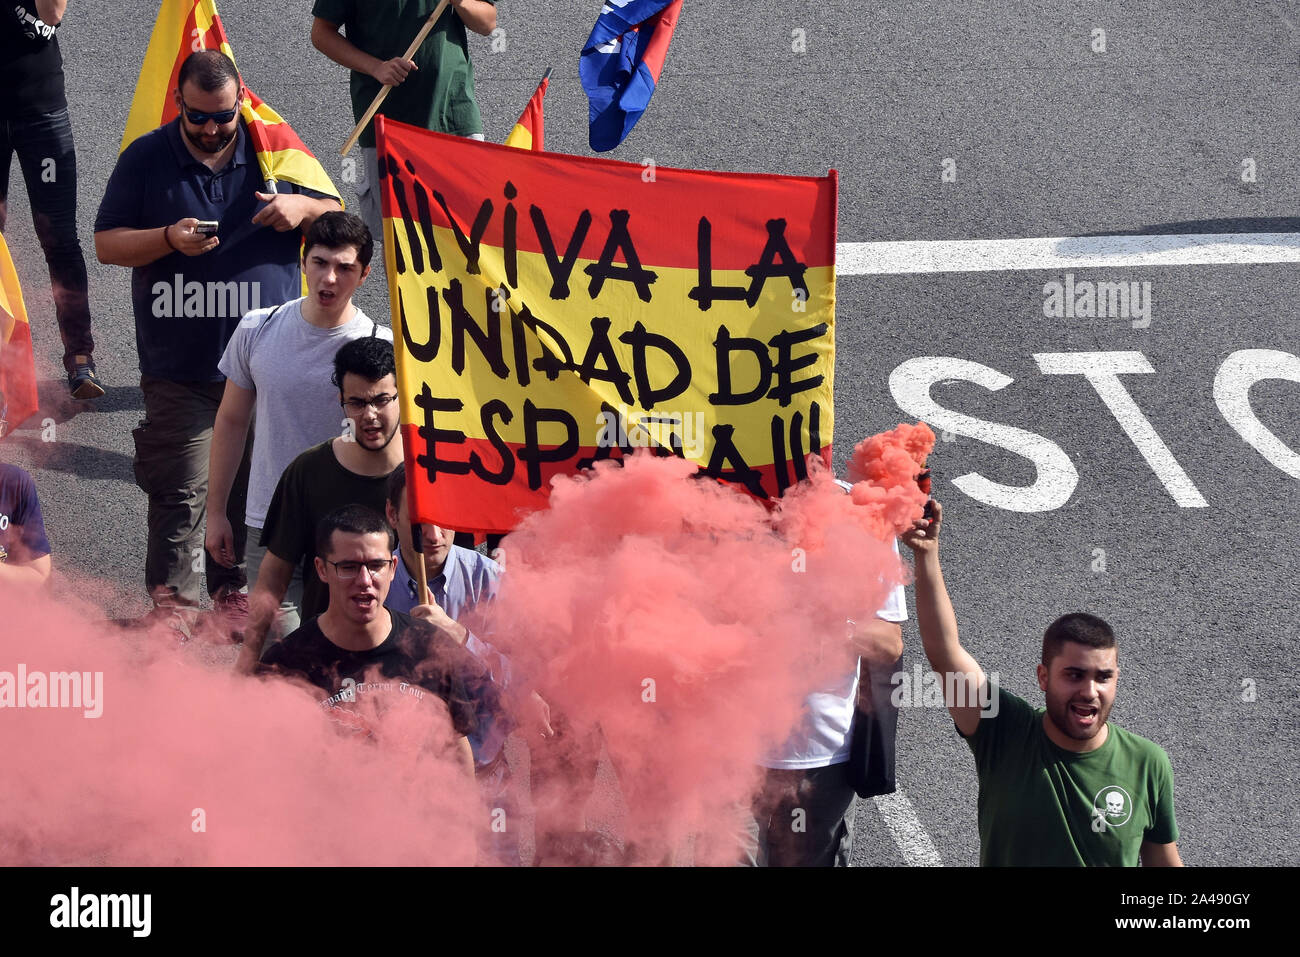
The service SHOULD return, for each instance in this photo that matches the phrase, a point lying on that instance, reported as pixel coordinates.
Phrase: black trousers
(43, 143)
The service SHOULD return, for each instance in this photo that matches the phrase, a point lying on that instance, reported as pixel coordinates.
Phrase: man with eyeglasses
(366, 658)
(191, 284)
(277, 367)
(352, 468)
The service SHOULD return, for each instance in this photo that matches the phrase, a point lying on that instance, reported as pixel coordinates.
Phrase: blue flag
(621, 62)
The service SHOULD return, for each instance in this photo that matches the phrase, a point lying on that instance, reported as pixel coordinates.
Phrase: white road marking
(1068, 252)
(906, 830)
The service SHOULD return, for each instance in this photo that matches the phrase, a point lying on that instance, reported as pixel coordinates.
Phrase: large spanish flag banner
(553, 310)
(187, 26)
(17, 361)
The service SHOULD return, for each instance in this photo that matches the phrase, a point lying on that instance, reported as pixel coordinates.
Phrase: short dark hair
(335, 229)
(354, 520)
(1079, 627)
(210, 70)
(369, 357)
(397, 487)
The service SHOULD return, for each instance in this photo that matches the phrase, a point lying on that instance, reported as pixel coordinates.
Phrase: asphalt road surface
(946, 122)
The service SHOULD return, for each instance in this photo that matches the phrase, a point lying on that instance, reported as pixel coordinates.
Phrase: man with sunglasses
(190, 287)
(277, 365)
(366, 658)
(352, 468)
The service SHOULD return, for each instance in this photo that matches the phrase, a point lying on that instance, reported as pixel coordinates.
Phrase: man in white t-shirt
(803, 817)
(277, 365)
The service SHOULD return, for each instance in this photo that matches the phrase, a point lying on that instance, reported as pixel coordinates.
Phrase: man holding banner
(433, 89)
(191, 284)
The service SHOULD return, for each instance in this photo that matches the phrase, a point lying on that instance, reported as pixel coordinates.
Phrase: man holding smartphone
(189, 290)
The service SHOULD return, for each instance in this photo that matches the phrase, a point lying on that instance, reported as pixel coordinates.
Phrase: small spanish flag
(528, 133)
(17, 363)
(184, 27)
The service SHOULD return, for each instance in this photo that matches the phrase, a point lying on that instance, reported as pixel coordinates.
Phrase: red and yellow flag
(187, 26)
(17, 361)
(528, 133)
(553, 310)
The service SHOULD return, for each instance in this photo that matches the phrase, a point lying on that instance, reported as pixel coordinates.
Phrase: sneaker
(82, 381)
(230, 608)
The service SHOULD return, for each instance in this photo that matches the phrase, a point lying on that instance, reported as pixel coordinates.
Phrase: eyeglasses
(380, 402)
(201, 119)
(350, 570)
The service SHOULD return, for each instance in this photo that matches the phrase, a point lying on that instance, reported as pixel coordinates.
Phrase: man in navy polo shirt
(189, 290)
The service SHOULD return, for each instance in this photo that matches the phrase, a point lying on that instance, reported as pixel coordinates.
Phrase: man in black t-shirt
(34, 124)
(368, 660)
(352, 469)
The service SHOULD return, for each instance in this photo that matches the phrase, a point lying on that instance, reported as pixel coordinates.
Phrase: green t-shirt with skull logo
(1040, 805)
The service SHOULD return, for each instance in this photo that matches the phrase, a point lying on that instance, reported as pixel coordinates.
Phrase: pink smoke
(635, 574)
(689, 623)
(277, 782)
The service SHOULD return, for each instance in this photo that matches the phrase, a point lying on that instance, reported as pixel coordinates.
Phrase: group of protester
(271, 435)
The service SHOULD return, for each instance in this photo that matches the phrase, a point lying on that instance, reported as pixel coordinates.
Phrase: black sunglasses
(201, 119)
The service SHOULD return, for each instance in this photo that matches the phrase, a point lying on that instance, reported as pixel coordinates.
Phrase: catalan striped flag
(528, 133)
(184, 27)
(621, 62)
(17, 362)
(554, 311)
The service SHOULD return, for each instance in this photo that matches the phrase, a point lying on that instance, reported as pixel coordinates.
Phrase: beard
(1059, 713)
(209, 144)
(383, 444)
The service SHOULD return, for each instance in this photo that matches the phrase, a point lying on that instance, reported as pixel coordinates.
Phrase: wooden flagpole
(382, 94)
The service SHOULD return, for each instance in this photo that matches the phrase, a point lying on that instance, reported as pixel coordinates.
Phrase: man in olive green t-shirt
(1059, 786)
(434, 89)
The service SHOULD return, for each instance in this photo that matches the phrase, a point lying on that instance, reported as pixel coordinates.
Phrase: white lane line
(1067, 252)
(905, 828)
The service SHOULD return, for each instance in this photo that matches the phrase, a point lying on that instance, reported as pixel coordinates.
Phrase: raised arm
(938, 626)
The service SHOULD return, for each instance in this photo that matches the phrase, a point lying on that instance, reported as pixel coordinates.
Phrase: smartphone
(923, 483)
(206, 227)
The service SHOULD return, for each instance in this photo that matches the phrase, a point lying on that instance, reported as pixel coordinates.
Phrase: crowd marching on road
(270, 444)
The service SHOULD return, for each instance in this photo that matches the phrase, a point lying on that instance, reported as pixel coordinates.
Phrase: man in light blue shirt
(461, 581)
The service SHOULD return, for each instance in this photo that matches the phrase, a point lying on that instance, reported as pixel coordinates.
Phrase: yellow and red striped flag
(17, 361)
(528, 133)
(187, 26)
(551, 311)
